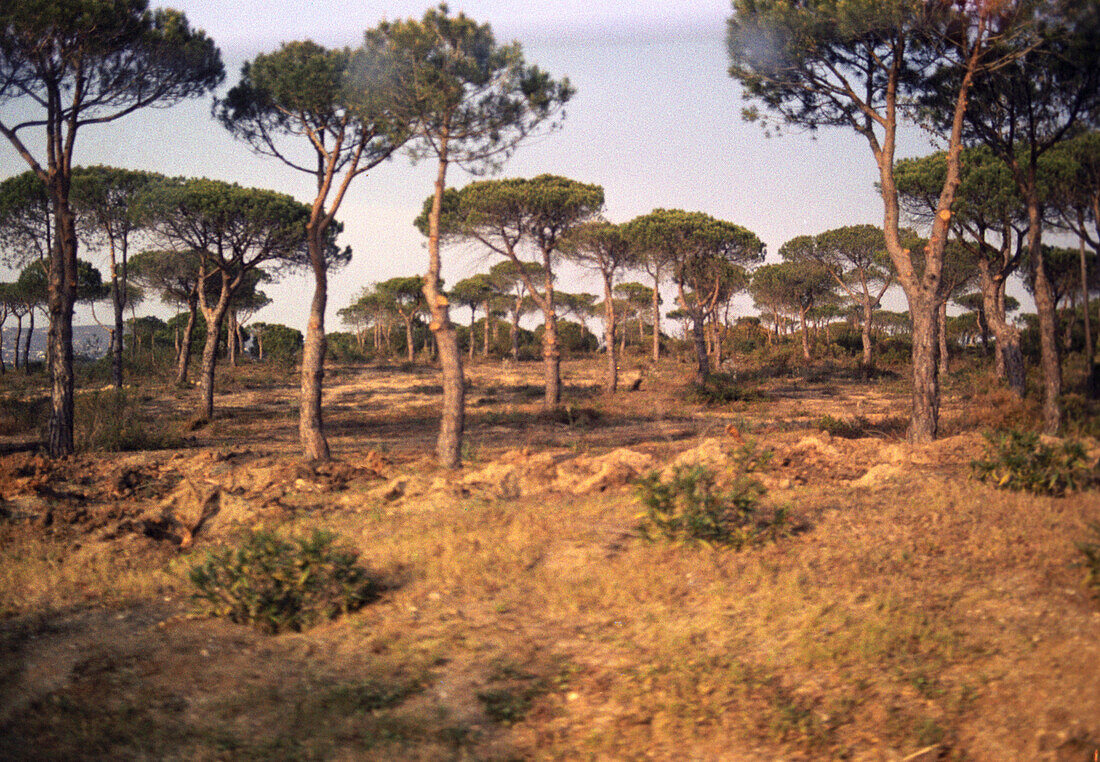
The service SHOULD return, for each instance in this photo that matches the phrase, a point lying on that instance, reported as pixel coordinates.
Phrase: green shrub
(1091, 551)
(718, 389)
(691, 507)
(278, 584)
(110, 420)
(841, 427)
(1019, 460)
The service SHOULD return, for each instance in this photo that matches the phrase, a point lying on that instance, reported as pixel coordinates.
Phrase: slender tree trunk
(1010, 357)
(551, 357)
(805, 335)
(311, 431)
(941, 317)
(410, 350)
(27, 346)
(514, 335)
(471, 335)
(485, 349)
(867, 360)
(1048, 324)
(656, 319)
(453, 418)
(18, 340)
(3, 319)
(1090, 365)
(702, 369)
(118, 296)
(183, 360)
(231, 337)
(214, 319)
(612, 378)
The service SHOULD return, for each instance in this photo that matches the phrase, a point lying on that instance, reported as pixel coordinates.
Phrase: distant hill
(90, 342)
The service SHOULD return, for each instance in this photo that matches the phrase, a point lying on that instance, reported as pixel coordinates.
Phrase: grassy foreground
(911, 612)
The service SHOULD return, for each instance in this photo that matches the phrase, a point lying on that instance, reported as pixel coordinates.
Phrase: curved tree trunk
(184, 360)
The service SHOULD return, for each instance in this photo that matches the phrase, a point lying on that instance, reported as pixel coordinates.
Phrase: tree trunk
(27, 346)
(805, 335)
(485, 349)
(656, 320)
(410, 350)
(214, 319)
(311, 432)
(18, 340)
(183, 361)
(231, 337)
(514, 335)
(551, 358)
(867, 360)
(1048, 324)
(118, 296)
(61, 298)
(941, 318)
(453, 417)
(926, 388)
(1091, 384)
(702, 369)
(612, 378)
(470, 349)
(1010, 357)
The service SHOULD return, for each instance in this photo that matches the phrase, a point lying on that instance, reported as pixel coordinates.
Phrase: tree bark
(453, 417)
(311, 433)
(183, 362)
(18, 340)
(1048, 325)
(867, 360)
(612, 378)
(231, 337)
(702, 369)
(805, 335)
(941, 329)
(1090, 365)
(551, 357)
(214, 319)
(118, 305)
(27, 346)
(61, 299)
(485, 349)
(656, 318)
(924, 425)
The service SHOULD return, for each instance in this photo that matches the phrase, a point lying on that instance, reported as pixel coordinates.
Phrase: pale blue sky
(656, 121)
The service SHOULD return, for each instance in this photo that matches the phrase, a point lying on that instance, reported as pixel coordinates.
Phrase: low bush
(278, 584)
(691, 507)
(718, 389)
(1020, 460)
(110, 420)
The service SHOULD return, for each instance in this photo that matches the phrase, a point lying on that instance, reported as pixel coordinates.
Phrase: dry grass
(927, 610)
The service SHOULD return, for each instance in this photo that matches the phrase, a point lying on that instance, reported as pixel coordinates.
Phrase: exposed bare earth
(913, 613)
